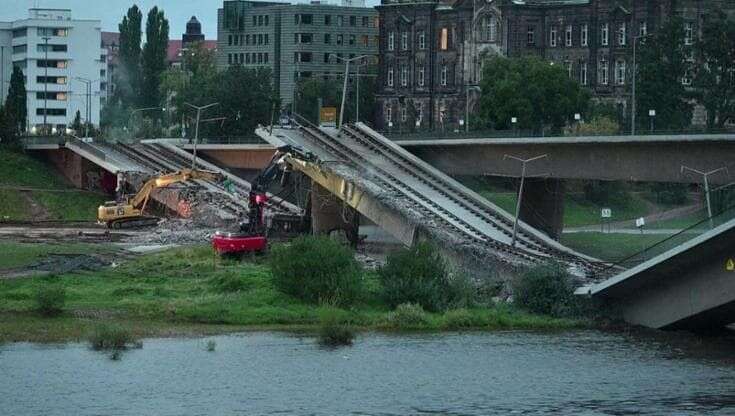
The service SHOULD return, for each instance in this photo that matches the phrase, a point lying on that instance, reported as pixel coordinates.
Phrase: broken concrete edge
(94, 159)
(477, 198)
(602, 288)
(242, 182)
(479, 263)
(582, 140)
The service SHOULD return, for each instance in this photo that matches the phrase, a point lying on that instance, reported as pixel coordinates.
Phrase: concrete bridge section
(612, 158)
(689, 287)
(369, 174)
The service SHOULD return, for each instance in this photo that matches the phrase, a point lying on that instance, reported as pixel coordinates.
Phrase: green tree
(76, 125)
(16, 109)
(129, 77)
(662, 64)
(8, 134)
(310, 90)
(246, 98)
(154, 57)
(538, 93)
(715, 80)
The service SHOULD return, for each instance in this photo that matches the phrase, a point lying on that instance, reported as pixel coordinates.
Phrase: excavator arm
(141, 198)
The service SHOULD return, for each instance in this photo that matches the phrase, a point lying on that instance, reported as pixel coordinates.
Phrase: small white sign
(390, 124)
(461, 122)
(606, 213)
(640, 222)
(513, 120)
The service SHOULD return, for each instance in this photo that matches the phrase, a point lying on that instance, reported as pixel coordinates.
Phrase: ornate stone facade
(431, 52)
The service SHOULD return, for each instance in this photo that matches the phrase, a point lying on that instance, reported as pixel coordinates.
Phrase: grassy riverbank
(187, 291)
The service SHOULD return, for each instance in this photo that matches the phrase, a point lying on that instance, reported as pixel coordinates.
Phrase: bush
(407, 316)
(317, 269)
(50, 300)
(670, 193)
(463, 318)
(230, 283)
(606, 192)
(112, 337)
(416, 275)
(546, 289)
(333, 331)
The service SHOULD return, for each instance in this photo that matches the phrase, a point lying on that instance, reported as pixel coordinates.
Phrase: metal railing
(87, 147)
(668, 243)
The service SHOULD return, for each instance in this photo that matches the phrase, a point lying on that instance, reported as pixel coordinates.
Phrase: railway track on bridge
(450, 207)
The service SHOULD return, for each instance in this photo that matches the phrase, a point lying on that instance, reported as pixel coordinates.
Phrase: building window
(490, 28)
(266, 20)
(569, 36)
(687, 79)
(327, 38)
(247, 39)
(340, 21)
(302, 57)
(642, 28)
(620, 72)
(530, 35)
(365, 41)
(422, 74)
(404, 75)
(242, 58)
(302, 37)
(602, 72)
(52, 31)
(352, 39)
(552, 37)
(51, 111)
(444, 39)
(390, 76)
(247, 58)
(568, 66)
(327, 20)
(229, 59)
(622, 34)
(22, 48)
(266, 38)
(584, 34)
(404, 113)
(300, 19)
(20, 33)
(443, 76)
(583, 73)
(229, 40)
(404, 40)
(688, 33)
(605, 34)
(236, 40)
(365, 21)
(391, 40)
(422, 40)
(419, 112)
(388, 113)
(339, 39)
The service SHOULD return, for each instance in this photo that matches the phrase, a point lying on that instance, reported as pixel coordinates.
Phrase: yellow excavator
(129, 213)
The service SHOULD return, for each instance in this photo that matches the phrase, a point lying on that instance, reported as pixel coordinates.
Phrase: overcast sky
(111, 12)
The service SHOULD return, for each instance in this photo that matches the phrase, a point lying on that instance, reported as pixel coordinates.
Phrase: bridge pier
(329, 213)
(542, 206)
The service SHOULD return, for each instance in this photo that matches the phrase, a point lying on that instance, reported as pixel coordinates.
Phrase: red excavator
(252, 236)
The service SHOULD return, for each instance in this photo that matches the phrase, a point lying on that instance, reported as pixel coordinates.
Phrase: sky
(111, 12)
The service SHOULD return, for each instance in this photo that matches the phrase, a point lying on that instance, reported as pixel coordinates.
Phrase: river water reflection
(571, 373)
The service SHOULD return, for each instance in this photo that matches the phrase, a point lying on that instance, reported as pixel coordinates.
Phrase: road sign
(328, 117)
(730, 265)
(606, 213)
(640, 222)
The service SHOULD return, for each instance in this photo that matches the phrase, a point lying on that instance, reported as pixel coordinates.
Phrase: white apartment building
(60, 57)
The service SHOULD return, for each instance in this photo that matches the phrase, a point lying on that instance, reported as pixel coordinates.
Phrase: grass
(182, 290)
(610, 247)
(577, 211)
(23, 254)
(22, 170)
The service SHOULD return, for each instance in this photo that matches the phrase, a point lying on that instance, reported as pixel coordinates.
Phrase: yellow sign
(730, 265)
(328, 116)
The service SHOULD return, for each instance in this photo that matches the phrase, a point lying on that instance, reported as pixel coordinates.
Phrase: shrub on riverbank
(333, 330)
(317, 269)
(417, 275)
(112, 337)
(50, 299)
(408, 316)
(545, 289)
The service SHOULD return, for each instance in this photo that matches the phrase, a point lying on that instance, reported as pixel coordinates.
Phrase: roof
(110, 38)
(173, 54)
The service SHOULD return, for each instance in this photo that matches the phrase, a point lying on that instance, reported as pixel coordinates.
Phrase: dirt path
(37, 211)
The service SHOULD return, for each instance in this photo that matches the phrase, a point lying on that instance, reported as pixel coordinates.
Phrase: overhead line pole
(524, 162)
(706, 176)
(196, 131)
(344, 88)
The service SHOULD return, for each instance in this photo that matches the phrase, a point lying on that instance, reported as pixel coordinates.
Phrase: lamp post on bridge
(524, 162)
(196, 131)
(705, 176)
(635, 76)
(344, 87)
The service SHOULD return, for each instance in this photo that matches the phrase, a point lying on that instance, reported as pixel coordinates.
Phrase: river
(499, 373)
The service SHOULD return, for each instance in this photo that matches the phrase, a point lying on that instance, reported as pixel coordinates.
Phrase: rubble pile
(211, 209)
(173, 231)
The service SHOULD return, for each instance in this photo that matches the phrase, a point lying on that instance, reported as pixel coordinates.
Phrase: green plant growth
(112, 337)
(610, 246)
(546, 289)
(211, 345)
(407, 316)
(417, 275)
(317, 269)
(333, 330)
(50, 299)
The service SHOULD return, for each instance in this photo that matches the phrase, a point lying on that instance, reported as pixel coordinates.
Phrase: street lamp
(139, 110)
(88, 101)
(196, 131)
(513, 121)
(344, 87)
(706, 176)
(652, 115)
(524, 162)
(635, 76)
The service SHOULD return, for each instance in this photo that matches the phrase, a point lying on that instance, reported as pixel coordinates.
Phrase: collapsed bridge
(413, 201)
